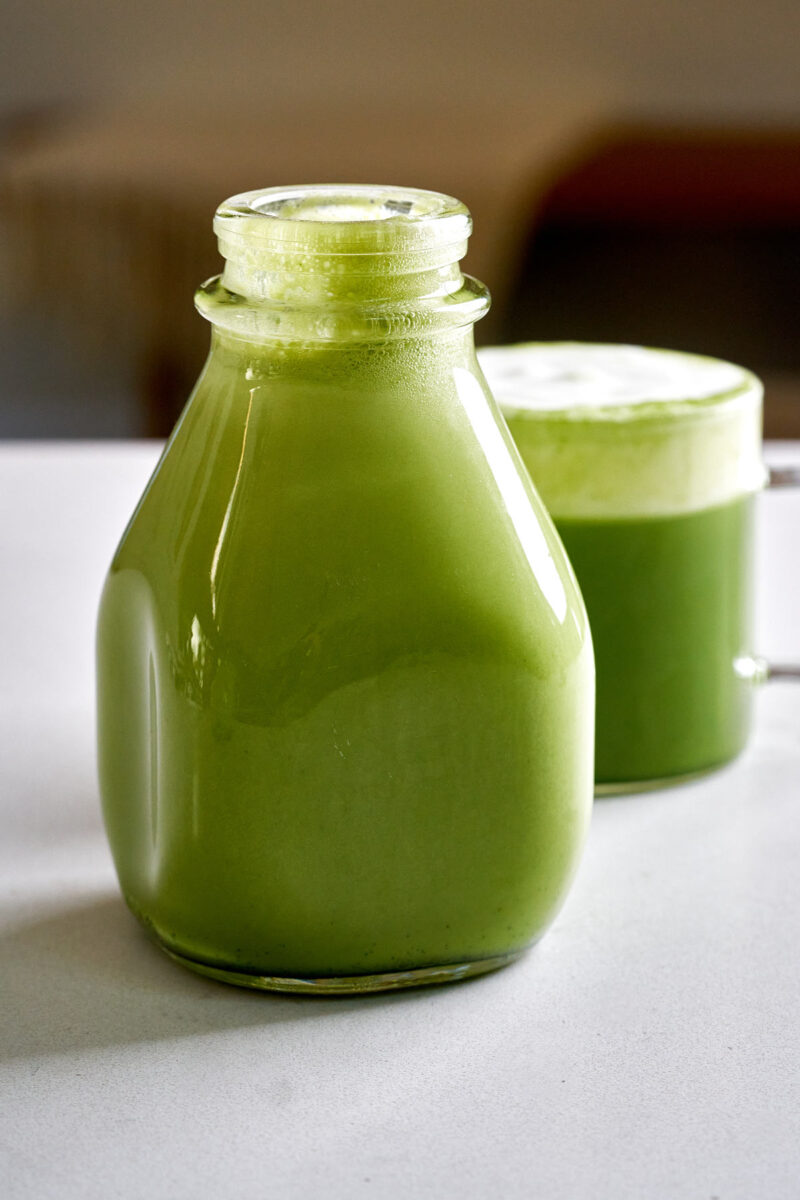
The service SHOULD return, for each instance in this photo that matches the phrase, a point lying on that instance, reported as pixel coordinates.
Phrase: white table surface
(648, 1048)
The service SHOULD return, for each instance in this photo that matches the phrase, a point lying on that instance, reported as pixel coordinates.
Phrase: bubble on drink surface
(610, 430)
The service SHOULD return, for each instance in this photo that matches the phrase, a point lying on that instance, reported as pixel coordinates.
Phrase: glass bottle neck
(315, 280)
(329, 263)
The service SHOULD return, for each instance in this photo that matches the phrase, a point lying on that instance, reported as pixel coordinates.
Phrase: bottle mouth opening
(345, 219)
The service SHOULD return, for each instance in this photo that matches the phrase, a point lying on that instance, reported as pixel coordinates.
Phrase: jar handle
(759, 669)
(752, 669)
(783, 477)
(781, 671)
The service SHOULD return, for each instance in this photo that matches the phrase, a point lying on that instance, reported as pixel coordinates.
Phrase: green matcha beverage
(649, 462)
(346, 685)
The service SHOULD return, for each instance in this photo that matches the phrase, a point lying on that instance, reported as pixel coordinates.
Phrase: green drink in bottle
(345, 676)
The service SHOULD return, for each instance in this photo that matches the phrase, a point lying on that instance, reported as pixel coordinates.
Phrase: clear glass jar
(649, 462)
(346, 684)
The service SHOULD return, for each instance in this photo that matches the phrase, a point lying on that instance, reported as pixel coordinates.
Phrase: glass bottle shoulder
(299, 497)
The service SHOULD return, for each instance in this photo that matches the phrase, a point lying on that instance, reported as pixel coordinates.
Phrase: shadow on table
(87, 977)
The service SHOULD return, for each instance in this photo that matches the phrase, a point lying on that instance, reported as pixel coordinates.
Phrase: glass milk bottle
(346, 685)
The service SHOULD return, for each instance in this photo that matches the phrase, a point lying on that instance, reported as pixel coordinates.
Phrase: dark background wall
(669, 269)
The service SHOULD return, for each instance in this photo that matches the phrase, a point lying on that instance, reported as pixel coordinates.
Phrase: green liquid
(345, 717)
(648, 461)
(669, 603)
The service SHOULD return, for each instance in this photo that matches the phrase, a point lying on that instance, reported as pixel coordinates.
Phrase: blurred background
(633, 172)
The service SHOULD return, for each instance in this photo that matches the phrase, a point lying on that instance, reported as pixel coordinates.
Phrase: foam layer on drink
(628, 431)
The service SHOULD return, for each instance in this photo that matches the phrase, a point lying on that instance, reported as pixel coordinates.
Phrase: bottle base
(344, 985)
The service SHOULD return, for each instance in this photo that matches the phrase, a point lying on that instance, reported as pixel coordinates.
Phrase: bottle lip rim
(344, 219)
